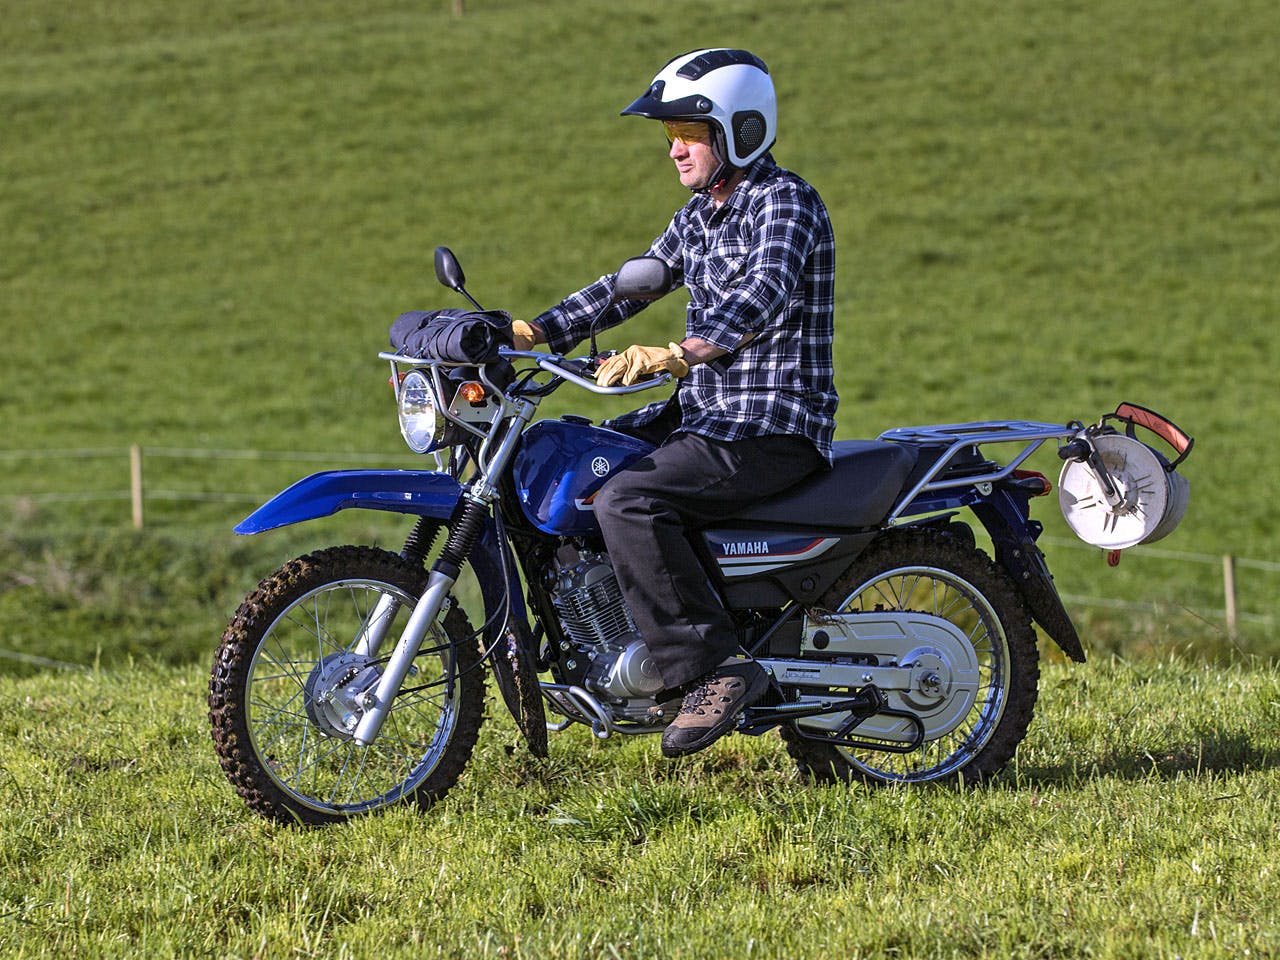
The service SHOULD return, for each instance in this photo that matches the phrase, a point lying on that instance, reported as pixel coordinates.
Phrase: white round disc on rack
(1154, 499)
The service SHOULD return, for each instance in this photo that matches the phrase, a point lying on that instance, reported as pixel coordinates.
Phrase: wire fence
(1228, 563)
(139, 494)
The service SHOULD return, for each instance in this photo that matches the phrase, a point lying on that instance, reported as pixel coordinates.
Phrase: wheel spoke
(342, 772)
(941, 594)
(335, 773)
(276, 709)
(318, 756)
(293, 668)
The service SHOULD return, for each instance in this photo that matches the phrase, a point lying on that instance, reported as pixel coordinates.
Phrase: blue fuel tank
(560, 466)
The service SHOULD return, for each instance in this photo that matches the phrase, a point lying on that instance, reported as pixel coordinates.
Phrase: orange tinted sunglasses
(687, 131)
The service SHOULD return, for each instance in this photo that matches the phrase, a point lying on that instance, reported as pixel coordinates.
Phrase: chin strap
(724, 173)
(713, 187)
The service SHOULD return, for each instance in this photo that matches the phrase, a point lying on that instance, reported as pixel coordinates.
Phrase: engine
(599, 627)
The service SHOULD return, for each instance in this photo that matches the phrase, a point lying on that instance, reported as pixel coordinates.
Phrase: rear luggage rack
(959, 441)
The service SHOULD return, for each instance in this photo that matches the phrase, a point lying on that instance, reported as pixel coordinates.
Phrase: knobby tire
(274, 628)
(999, 724)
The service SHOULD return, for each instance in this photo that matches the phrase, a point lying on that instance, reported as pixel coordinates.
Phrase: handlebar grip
(1075, 450)
(580, 365)
(1165, 429)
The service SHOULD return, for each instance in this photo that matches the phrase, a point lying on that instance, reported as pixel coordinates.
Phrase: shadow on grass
(1211, 752)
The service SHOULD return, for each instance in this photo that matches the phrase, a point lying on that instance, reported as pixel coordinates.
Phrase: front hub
(336, 691)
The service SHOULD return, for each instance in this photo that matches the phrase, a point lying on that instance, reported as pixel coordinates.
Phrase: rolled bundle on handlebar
(452, 335)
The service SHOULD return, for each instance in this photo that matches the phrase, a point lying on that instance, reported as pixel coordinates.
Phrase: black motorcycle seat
(865, 479)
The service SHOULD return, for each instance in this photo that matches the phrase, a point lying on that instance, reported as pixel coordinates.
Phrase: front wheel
(924, 572)
(290, 674)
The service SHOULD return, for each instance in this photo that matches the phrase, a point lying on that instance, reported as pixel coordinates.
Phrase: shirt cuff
(717, 333)
(554, 329)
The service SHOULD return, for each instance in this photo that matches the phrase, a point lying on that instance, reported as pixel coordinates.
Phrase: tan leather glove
(523, 336)
(635, 363)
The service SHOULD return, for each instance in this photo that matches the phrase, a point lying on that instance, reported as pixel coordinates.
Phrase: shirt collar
(756, 173)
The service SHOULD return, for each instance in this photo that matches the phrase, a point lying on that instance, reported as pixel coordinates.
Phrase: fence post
(1229, 592)
(135, 484)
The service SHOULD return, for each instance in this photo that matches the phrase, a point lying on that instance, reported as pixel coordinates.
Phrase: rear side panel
(752, 553)
(769, 567)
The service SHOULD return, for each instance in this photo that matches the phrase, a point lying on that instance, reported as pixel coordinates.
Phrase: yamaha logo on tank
(600, 467)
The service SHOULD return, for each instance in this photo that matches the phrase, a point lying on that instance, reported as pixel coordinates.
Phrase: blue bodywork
(419, 493)
(562, 464)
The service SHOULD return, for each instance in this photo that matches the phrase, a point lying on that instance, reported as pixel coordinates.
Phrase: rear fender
(1005, 515)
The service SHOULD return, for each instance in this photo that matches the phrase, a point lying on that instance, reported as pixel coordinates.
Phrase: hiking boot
(712, 705)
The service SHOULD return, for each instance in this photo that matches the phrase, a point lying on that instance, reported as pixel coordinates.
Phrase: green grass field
(214, 215)
(213, 212)
(1139, 820)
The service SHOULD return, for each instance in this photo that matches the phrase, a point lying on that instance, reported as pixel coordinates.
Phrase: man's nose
(678, 149)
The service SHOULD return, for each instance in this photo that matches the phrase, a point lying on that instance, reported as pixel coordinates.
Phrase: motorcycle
(352, 678)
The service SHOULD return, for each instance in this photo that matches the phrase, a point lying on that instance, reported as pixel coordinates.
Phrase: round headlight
(420, 421)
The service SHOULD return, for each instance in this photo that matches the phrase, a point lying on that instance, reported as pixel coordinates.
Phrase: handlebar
(558, 366)
(569, 369)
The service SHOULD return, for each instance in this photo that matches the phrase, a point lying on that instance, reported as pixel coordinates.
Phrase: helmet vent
(748, 132)
(696, 68)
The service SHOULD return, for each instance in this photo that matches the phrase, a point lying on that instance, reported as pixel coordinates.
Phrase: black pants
(648, 513)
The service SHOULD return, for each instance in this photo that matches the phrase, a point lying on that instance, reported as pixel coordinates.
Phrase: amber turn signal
(472, 392)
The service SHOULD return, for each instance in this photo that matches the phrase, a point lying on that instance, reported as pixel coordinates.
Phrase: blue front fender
(419, 492)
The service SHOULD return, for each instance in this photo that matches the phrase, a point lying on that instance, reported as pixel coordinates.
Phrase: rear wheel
(924, 572)
(290, 674)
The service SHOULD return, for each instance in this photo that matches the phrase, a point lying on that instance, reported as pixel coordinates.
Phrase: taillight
(1041, 487)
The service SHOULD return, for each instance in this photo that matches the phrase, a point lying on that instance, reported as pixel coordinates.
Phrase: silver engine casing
(595, 618)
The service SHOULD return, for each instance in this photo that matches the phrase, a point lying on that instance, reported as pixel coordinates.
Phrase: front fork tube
(384, 613)
(424, 615)
(444, 574)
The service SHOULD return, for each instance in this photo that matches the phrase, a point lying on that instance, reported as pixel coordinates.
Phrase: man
(754, 410)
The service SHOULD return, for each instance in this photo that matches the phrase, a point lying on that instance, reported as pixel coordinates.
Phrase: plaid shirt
(762, 263)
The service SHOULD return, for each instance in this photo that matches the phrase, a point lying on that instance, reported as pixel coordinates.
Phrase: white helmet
(729, 89)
